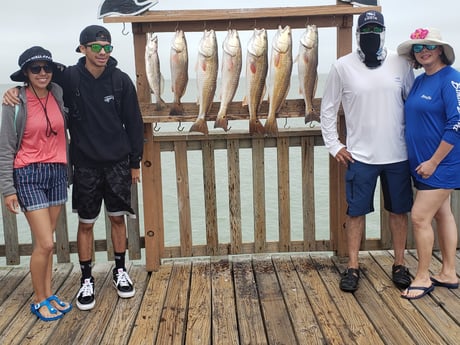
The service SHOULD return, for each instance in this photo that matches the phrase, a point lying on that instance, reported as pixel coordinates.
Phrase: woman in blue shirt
(432, 113)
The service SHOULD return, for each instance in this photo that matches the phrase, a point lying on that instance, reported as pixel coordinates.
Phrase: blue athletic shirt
(432, 113)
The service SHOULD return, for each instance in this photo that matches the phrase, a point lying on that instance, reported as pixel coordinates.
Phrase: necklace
(49, 127)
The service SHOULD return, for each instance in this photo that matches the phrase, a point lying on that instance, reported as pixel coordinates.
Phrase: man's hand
(344, 157)
(10, 97)
(136, 175)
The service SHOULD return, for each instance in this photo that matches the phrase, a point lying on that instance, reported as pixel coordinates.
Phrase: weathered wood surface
(261, 299)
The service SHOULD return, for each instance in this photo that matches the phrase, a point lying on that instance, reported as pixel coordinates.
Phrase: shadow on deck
(258, 299)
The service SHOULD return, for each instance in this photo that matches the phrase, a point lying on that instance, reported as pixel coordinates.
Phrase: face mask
(371, 48)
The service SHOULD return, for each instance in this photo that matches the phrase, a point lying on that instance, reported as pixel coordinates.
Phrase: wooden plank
(374, 297)
(108, 235)
(250, 323)
(330, 320)
(284, 205)
(41, 332)
(86, 332)
(199, 316)
(122, 320)
(183, 198)
(258, 192)
(10, 233)
(133, 228)
(414, 322)
(234, 196)
(361, 329)
(308, 193)
(306, 328)
(173, 317)
(145, 328)
(224, 324)
(62, 237)
(276, 317)
(252, 15)
(152, 259)
(210, 202)
(12, 278)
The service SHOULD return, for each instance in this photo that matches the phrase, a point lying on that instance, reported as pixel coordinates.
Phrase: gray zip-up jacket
(12, 129)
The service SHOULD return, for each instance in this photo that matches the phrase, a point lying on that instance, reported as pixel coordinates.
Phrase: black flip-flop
(426, 290)
(444, 285)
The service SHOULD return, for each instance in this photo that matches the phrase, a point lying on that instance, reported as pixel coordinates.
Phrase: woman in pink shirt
(33, 168)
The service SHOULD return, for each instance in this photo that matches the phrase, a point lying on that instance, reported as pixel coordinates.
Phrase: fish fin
(271, 127)
(160, 104)
(199, 125)
(256, 127)
(177, 109)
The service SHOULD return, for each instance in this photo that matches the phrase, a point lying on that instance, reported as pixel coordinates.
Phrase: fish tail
(256, 127)
(160, 104)
(221, 122)
(177, 109)
(271, 127)
(200, 125)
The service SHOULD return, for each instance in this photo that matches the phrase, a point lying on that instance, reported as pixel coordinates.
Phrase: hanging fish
(230, 75)
(179, 70)
(152, 69)
(307, 63)
(206, 76)
(279, 77)
(256, 73)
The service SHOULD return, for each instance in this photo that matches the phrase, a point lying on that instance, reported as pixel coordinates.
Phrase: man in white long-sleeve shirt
(371, 83)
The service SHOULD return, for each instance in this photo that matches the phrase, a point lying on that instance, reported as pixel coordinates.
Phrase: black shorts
(92, 185)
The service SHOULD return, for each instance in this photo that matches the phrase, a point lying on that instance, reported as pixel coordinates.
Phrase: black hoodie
(100, 136)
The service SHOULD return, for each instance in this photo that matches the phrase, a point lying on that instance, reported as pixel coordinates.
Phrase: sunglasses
(417, 48)
(372, 29)
(96, 47)
(36, 69)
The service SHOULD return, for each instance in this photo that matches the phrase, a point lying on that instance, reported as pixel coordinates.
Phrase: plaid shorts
(111, 184)
(41, 185)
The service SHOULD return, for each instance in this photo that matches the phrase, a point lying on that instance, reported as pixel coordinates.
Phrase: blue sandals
(56, 314)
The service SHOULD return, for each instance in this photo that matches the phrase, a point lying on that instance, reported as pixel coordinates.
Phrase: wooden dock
(258, 299)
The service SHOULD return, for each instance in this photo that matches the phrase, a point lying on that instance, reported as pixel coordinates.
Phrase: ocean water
(171, 219)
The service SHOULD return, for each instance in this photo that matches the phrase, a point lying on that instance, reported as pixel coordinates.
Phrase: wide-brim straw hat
(426, 36)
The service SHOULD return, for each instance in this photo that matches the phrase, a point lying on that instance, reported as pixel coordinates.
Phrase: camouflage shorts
(111, 184)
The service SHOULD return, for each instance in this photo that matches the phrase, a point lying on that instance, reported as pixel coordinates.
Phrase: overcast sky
(56, 25)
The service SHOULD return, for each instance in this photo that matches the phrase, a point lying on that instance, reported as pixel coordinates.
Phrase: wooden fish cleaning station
(260, 292)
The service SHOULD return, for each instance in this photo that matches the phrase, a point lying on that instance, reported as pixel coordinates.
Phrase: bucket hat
(35, 53)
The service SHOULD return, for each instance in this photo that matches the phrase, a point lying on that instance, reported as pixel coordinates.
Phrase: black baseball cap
(370, 17)
(94, 33)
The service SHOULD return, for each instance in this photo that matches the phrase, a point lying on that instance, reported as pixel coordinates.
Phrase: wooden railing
(148, 230)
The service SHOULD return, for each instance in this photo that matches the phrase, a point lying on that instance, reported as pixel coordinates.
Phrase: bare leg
(42, 255)
(426, 205)
(85, 238)
(354, 229)
(398, 228)
(118, 233)
(447, 233)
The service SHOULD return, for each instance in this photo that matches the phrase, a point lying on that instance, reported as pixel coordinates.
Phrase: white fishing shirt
(373, 103)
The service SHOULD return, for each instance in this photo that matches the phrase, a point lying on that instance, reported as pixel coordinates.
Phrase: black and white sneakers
(123, 283)
(85, 297)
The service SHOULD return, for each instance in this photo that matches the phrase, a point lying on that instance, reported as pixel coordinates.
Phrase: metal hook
(229, 25)
(285, 123)
(156, 128)
(123, 31)
(179, 128)
(177, 26)
(255, 23)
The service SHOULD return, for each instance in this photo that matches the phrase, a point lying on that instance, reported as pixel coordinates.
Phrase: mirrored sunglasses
(417, 48)
(372, 29)
(35, 69)
(96, 47)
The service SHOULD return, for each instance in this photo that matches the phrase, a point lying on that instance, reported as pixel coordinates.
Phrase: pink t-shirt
(36, 147)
